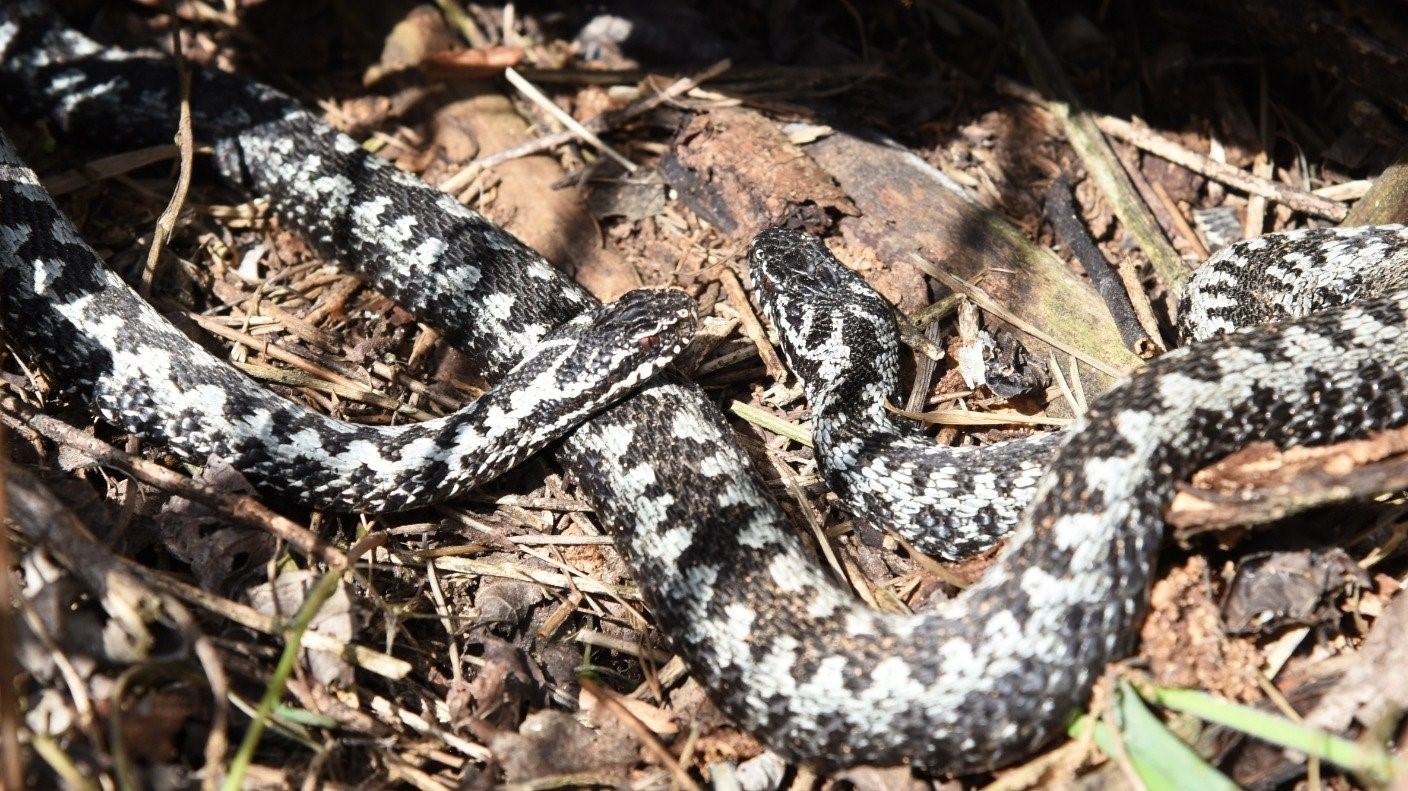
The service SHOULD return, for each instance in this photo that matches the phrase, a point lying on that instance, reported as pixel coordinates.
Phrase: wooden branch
(238, 508)
(1154, 143)
(1095, 153)
(1260, 484)
(1061, 213)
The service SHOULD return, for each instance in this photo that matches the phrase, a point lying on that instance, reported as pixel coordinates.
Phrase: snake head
(635, 337)
(658, 319)
(832, 325)
(791, 266)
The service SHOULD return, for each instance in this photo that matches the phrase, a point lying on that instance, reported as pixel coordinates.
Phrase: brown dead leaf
(1272, 590)
(500, 690)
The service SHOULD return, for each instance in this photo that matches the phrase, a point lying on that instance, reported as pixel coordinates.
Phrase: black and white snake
(981, 680)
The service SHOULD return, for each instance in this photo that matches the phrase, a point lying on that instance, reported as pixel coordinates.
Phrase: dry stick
(1262, 167)
(166, 223)
(1229, 175)
(38, 516)
(239, 508)
(539, 98)
(753, 328)
(1061, 213)
(967, 417)
(1133, 284)
(1180, 224)
(1168, 215)
(108, 167)
(985, 301)
(924, 367)
(1095, 152)
(11, 759)
(598, 124)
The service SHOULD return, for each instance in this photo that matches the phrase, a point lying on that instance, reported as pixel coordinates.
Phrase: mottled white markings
(500, 306)
(11, 237)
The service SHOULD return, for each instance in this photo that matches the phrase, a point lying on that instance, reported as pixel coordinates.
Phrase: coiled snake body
(977, 682)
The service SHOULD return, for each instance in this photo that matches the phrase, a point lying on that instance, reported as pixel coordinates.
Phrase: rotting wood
(1260, 484)
(1387, 199)
(907, 205)
(736, 169)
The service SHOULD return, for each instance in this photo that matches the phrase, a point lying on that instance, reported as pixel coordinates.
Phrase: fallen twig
(1061, 213)
(239, 508)
(1221, 172)
(185, 140)
(752, 328)
(641, 731)
(531, 91)
(1094, 152)
(598, 124)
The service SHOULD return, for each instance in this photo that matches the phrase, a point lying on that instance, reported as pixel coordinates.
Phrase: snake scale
(979, 681)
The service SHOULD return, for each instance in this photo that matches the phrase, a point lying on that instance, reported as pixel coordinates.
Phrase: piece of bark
(908, 206)
(1387, 200)
(1260, 484)
(1375, 685)
(736, 169)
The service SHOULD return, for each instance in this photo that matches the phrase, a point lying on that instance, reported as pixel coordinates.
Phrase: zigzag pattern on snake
(58, 302)
(840, 338)
(977, 682)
